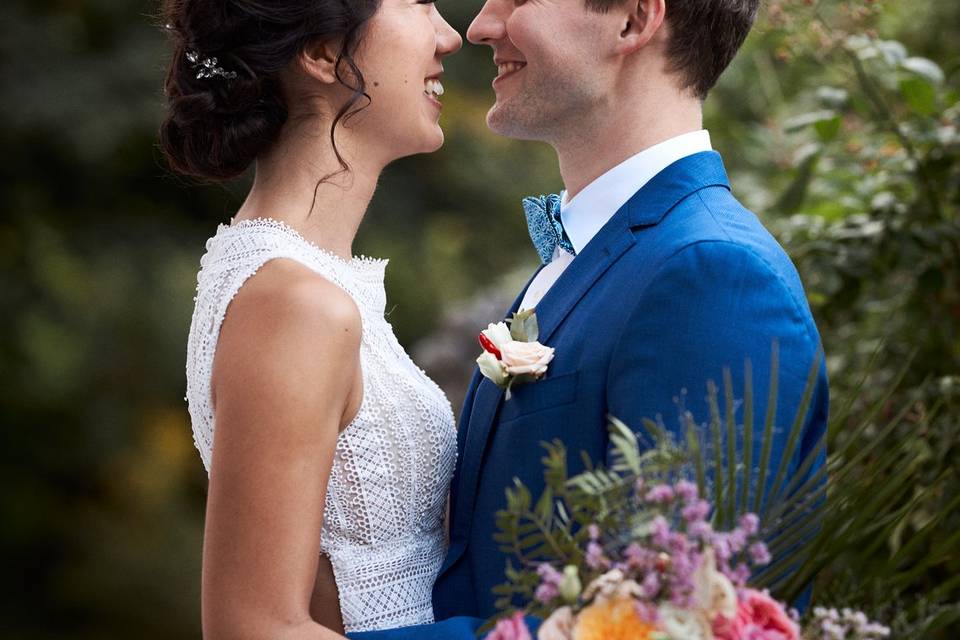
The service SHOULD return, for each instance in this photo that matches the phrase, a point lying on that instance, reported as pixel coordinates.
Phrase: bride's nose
(448, 40)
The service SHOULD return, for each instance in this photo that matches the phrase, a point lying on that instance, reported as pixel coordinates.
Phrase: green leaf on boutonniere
(508, 393)
(531, 327)
(523, 326)
(517, 329)
(523, 378)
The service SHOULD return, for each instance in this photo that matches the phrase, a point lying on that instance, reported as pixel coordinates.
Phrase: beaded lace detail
(383, 515)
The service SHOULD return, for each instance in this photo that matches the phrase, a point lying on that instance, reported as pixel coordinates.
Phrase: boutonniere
(511, 354)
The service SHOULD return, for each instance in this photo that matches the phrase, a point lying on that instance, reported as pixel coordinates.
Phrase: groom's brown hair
(705, 35)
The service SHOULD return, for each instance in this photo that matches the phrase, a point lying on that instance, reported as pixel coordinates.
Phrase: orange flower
(612, 620)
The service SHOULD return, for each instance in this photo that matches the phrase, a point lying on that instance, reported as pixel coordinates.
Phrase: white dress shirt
(586, 213)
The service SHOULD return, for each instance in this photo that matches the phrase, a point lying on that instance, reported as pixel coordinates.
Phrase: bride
(329, 452)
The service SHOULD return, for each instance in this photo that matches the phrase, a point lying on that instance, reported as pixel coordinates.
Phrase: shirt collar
(586, 213)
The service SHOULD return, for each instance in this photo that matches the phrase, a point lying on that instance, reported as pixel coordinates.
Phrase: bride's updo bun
(219, 123)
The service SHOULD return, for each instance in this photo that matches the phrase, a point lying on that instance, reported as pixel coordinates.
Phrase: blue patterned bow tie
(545, 227)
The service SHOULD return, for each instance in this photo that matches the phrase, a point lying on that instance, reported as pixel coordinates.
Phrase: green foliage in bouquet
(844, 514)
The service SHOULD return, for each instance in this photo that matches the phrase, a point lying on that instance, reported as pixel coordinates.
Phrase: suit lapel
(647, 207)
(575, 281)
(475, 420)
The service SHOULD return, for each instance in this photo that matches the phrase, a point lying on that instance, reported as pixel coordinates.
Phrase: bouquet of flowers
(611, 555)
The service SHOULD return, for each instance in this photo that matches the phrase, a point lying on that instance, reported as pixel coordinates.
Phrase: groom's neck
(621, 128)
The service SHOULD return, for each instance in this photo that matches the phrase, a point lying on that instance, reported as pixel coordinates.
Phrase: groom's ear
(641, 23)
(319, 59)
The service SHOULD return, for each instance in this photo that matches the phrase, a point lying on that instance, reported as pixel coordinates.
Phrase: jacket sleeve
(458, 628)
(715, 305)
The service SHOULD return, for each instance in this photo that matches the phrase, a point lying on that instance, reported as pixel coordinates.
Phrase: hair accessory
(208, 67)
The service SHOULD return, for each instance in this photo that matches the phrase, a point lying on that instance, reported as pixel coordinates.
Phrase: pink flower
(759, 554)
(660, 494)
(595, 558)
(546, 592)
(750, 523)
(758, 617)
(686, 491)
(512, 628)
(696, 511)
(525, 357)
(660, 531)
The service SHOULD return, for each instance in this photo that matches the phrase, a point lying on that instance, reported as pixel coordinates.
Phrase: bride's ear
(641, 21)
(319, 59)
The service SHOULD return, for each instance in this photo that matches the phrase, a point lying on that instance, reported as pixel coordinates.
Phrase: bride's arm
(285, 380)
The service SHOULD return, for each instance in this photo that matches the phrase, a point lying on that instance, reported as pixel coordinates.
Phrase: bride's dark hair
(216, 126)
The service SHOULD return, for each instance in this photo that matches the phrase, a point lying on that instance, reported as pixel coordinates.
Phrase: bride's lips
(507, 69)
(434, 81)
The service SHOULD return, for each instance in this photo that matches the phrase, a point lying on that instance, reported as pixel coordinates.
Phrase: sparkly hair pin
(208, 67)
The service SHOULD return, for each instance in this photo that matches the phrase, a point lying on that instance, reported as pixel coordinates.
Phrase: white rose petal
(681, 623)
(526, 357)
(492, 368)
(714, 593)
(559, 626)
(605, 585)
(498, 334)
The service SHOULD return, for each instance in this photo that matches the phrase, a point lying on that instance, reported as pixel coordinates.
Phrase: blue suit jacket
(680, 283)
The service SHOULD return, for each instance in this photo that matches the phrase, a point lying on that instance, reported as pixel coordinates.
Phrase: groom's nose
(490, 24)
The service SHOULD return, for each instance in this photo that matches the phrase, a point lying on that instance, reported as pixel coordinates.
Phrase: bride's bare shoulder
(287, 328)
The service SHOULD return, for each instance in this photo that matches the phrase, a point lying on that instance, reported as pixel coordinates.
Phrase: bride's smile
(401, 58)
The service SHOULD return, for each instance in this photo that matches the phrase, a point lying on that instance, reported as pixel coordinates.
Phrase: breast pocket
(548, 393)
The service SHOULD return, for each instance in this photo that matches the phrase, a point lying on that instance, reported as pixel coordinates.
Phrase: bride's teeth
(433, 87)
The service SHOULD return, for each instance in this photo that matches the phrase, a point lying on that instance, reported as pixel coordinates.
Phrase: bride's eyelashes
(426, 1)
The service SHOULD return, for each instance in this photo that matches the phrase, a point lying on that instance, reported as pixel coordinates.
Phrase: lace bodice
(383, 516)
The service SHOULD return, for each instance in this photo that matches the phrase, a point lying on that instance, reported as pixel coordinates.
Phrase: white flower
(525, 357)
(612, 585)
(498, 334)
(682, 623)
(559, 626)
(492, 368)
(714, 593)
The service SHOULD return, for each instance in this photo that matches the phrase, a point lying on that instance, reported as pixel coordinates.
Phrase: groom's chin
(503, 121)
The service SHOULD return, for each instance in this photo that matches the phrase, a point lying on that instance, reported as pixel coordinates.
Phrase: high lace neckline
(360, 264)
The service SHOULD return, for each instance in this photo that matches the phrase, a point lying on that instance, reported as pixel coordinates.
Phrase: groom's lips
(507, 68)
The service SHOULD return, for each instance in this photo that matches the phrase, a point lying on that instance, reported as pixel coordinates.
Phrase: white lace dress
(383, 516)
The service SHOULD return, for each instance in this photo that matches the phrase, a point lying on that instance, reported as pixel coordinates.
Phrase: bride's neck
(285, 188)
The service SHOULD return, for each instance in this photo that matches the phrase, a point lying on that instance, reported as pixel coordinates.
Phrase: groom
(655, 277)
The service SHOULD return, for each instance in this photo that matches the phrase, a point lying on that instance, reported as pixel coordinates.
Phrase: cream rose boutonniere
(511, 354)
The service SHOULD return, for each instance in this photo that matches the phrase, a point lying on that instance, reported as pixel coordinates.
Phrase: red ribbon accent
(488, 346)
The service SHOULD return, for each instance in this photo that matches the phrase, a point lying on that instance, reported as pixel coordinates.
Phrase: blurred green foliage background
(839, 123)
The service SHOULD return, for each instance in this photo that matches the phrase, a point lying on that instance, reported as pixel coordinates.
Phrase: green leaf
(747, 436)
(832, 97)
(798, 423)
(927, 69)
(920, 95)
(718, 477)
(531, 328)
(731, 437)
(768, 426)
(795, 194)
(544, 508)
(805, 120)
(827, 130)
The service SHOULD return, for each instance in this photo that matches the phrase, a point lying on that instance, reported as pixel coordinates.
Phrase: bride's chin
(433, 140)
